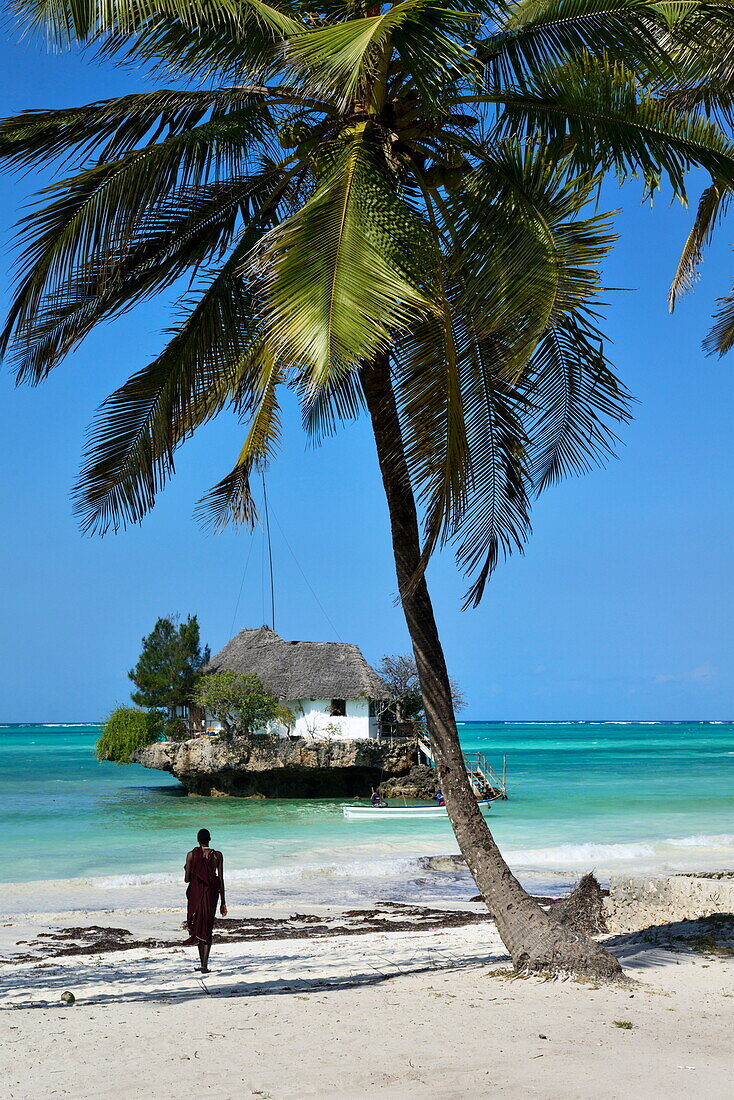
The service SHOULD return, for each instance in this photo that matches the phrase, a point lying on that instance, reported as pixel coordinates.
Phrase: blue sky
(621, 607)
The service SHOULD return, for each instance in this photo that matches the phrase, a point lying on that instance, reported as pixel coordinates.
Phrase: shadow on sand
(171, 978)
(658, 944)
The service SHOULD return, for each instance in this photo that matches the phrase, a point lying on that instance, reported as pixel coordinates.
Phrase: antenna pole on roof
(270, 552)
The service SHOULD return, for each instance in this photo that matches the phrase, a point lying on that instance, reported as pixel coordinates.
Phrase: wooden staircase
(482, 776)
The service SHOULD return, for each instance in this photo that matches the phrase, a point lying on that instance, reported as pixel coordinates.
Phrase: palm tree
(379, 206)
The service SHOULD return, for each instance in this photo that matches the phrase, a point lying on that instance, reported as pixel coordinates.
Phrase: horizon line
(477, 721)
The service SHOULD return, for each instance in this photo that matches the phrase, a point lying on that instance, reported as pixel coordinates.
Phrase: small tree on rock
(240, 702)
(400, 676)
(169, 665)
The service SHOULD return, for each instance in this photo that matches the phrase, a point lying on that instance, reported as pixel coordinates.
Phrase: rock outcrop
(264, 767)
(420, 782)
(637, 902)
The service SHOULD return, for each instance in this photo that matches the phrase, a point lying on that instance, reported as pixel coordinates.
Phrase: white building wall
(313, 720)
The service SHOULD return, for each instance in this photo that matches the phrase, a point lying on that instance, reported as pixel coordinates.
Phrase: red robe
(202, 894)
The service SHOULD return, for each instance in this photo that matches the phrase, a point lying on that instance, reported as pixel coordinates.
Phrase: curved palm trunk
(535, 942)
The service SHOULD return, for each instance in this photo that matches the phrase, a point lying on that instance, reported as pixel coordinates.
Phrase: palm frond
(169, 48)
(335, 58)
(703, 80)
(464, 443)
(111, 128)
(211, 40)
(712, 207)
(495, 521)
(574, 399)
(67, 21)
(230, 501)
(191, 231)
(326, 408)
(523, 260)
(92, 213)
(428, 392)
(721, 337)
(339, 59)
(436, 49)
(536, 34)
(526, 253)
(204, 367)
(343, 274)
(213, 359)
(714, 100)
(595, 112)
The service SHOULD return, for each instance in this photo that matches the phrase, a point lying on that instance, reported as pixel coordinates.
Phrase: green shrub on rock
(127, 729)
(240, 702)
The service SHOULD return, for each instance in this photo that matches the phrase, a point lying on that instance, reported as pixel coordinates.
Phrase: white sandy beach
(419, 1012)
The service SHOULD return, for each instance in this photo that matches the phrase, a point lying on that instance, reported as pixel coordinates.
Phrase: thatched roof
(300, 670)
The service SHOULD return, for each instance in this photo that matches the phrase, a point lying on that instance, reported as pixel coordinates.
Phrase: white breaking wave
(578, 853)
(601, 854)
(67, 725)
(724, 840)
(260, 876)
(358, 882)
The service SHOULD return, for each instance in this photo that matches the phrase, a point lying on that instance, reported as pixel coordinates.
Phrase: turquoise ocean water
(607, 796)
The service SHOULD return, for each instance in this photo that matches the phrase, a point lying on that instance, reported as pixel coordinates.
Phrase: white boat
(354, 810)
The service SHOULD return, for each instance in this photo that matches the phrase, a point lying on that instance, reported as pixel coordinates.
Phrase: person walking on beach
(204, 873)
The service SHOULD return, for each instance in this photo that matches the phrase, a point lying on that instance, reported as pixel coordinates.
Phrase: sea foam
(724, 840)
(658, 853)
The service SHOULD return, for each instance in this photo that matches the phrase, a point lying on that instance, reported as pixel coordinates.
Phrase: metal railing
(482, 775)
